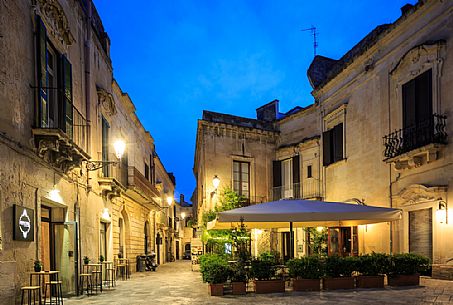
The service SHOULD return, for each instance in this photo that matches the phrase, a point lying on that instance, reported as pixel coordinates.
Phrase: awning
(303, 213)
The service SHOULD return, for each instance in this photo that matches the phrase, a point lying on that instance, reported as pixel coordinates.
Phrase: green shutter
(41, 71)
(326, 148)
(338, 142)
(66, 97)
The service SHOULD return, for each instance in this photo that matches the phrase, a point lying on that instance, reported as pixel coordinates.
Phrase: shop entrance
(343, 241)
(58, 249)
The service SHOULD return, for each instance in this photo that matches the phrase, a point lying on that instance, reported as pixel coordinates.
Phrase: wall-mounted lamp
(105, 216)
(54, 195)
(119, 146)
(441, 212)
(183, 215)
(169, 200)
(215, 182)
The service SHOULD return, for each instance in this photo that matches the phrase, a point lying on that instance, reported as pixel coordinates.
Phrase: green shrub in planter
(336, 266)
(262, 269)
(238, 273)
(214, 269)
(373, 264)
(408, 264)
(308, 267)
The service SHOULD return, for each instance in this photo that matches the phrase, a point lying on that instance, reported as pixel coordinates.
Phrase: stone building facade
(64, 193)
(377, 134)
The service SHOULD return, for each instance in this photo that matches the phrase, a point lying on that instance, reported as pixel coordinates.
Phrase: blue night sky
(176, 58)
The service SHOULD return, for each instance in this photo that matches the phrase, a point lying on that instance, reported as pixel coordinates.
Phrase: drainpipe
(88, 74)
(390, 165)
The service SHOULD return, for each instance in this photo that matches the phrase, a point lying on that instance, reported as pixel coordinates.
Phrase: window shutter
(409, 104)
(296, 169)
(326, 147)
(41, 69)
(66, 96)
(151, 165)
(338, 142)
(277, 173)
(423, 97)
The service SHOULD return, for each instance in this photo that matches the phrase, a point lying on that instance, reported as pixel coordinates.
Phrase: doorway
(46, 250)
(343, 241)
(421, 232)
(286, 246)
(177, 249)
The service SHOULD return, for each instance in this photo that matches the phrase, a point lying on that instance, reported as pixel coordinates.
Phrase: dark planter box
(404, 280)
(216, 289)
(370, 281)
(239, 288)
(306, 285)
(271, 286)
(333, 283)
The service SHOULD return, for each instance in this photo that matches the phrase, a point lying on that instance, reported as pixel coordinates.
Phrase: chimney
(406, 8)
(268, 112)
(181, 199)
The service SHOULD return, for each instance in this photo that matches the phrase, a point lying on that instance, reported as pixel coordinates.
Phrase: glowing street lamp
(169, 200)
(120, 147)
(215, 182)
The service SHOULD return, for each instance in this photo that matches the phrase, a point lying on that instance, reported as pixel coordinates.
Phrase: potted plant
(215, 271)
(372, 268)
(306, 273)
(101, 258)
(86, 260)
(405, 269)
(264, 271)
(37, 266)
(238, 279)
(338, 272)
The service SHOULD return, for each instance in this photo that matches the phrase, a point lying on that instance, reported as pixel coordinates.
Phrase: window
(241, 178)
(286, 178)
(54, 108)
(333, 145)
(105, 146)
(121, 237)
(152, 176)
(146, 171)
(309, 171)
(417, 100)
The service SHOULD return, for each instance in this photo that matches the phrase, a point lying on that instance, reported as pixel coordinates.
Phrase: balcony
(309, 189)
(142, 188)
(416, 145)
(63, 143)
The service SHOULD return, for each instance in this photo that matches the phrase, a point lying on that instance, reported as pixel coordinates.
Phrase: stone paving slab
(175, 283)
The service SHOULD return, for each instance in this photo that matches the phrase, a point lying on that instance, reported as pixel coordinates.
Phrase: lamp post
(215, 182)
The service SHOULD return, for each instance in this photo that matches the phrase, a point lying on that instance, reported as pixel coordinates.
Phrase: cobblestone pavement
(175, 283)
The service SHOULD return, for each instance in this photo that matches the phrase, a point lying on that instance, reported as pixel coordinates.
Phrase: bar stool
(110, 276)
(31, 290)
(85, 278)
(97, 274)
(59, 293)
(121, 267)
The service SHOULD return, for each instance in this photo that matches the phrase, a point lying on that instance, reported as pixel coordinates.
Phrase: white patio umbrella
(302, 213)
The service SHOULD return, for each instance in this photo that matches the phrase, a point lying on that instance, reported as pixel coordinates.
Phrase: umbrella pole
(291, 240)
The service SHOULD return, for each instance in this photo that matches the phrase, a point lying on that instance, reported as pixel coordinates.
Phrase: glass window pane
(236, 166)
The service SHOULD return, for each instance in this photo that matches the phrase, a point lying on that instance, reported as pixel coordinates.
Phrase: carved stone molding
(110, 187)
(420, 58)
(418, 193)
(55, 20)
(106, 101)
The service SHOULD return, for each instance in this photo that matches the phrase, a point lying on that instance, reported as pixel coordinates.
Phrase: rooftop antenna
(314, 33)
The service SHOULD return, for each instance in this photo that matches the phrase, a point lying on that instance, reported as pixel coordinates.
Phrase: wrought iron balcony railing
(309, 188)
(409, 138)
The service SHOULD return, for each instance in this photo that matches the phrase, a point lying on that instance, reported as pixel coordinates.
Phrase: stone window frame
(251, 161)
(330, 120)
(416, 61)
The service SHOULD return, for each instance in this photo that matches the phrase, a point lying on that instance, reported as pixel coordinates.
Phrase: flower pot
(404, 280)
(216, 289)
(370, 281)
(333, 283)
(271, 286)
(306, 285)
(239, 288)
(37, 268)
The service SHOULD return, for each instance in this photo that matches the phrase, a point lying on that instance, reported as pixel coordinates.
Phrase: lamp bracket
(95, 165)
